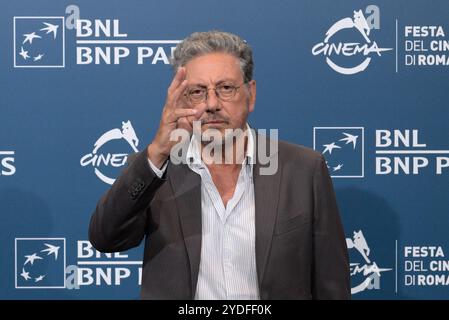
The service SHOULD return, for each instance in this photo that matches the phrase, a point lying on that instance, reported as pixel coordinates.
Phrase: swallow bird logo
(39, 42)
(342, 147)
(39, 263)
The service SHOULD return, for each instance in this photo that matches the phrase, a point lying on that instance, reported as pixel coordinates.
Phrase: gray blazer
(300, 244)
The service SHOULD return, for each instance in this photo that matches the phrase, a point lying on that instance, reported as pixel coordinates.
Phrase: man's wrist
(156, 157)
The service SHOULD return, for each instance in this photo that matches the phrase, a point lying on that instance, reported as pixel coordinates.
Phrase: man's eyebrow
(216, 83)
(225, 80)
(198, 85)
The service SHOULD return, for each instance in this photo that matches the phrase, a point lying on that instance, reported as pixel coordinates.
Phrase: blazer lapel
(266, 190)
(186, 186)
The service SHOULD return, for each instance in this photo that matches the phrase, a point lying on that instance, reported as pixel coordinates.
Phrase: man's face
(210, 70)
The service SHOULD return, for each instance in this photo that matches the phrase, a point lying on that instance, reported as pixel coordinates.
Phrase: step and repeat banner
(82, 85)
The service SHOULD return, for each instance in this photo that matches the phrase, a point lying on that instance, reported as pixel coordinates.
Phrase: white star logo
(29, 37)
(42, 276)
(350, 139)
(31, 258)
(50, 28)
(330, 147)
(338, 167)
(51, 250)
(24, 53)
(25, 275)
(38, 57)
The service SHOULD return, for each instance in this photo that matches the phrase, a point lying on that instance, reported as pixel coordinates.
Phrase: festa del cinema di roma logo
(102, 160)
(333, 50)
(365, 273)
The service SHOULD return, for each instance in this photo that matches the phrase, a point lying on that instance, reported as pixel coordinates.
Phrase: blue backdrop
(365, 83)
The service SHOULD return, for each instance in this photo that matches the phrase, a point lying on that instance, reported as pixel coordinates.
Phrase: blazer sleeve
(331, 279)
(119, 220)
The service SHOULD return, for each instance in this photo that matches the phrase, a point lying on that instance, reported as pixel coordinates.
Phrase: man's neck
(231, 155)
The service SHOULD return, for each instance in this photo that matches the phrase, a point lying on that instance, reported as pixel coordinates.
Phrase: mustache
(212, 119)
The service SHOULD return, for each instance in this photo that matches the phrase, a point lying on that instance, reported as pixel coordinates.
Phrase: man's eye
(226, 88)
(196, 92)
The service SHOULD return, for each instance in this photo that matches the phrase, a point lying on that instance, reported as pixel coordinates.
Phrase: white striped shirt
(228, 256)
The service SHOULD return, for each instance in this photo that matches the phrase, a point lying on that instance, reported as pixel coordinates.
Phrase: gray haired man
(221, 229)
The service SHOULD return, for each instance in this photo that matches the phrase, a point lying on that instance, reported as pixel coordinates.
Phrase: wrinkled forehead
(213, 68)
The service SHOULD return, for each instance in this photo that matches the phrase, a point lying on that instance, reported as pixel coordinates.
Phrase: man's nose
(212, 101)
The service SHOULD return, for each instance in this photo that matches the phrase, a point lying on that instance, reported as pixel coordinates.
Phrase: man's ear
(252, 95)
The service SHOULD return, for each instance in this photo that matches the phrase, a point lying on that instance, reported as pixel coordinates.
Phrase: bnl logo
(40, 263)
(343, 149)
(39, 42)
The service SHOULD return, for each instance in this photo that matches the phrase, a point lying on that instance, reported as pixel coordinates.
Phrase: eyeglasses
(223, 91)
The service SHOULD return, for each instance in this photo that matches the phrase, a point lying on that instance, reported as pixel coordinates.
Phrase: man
(224, 229)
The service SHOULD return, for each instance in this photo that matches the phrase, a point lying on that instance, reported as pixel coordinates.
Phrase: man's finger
(178, 93)
(181, 112)
(199, 111)
(177, 80)
(184, 123)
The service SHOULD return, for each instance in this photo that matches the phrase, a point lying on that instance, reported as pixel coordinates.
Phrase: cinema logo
(365, 272)
(334, 50)
(403, 152)
(103, 160)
